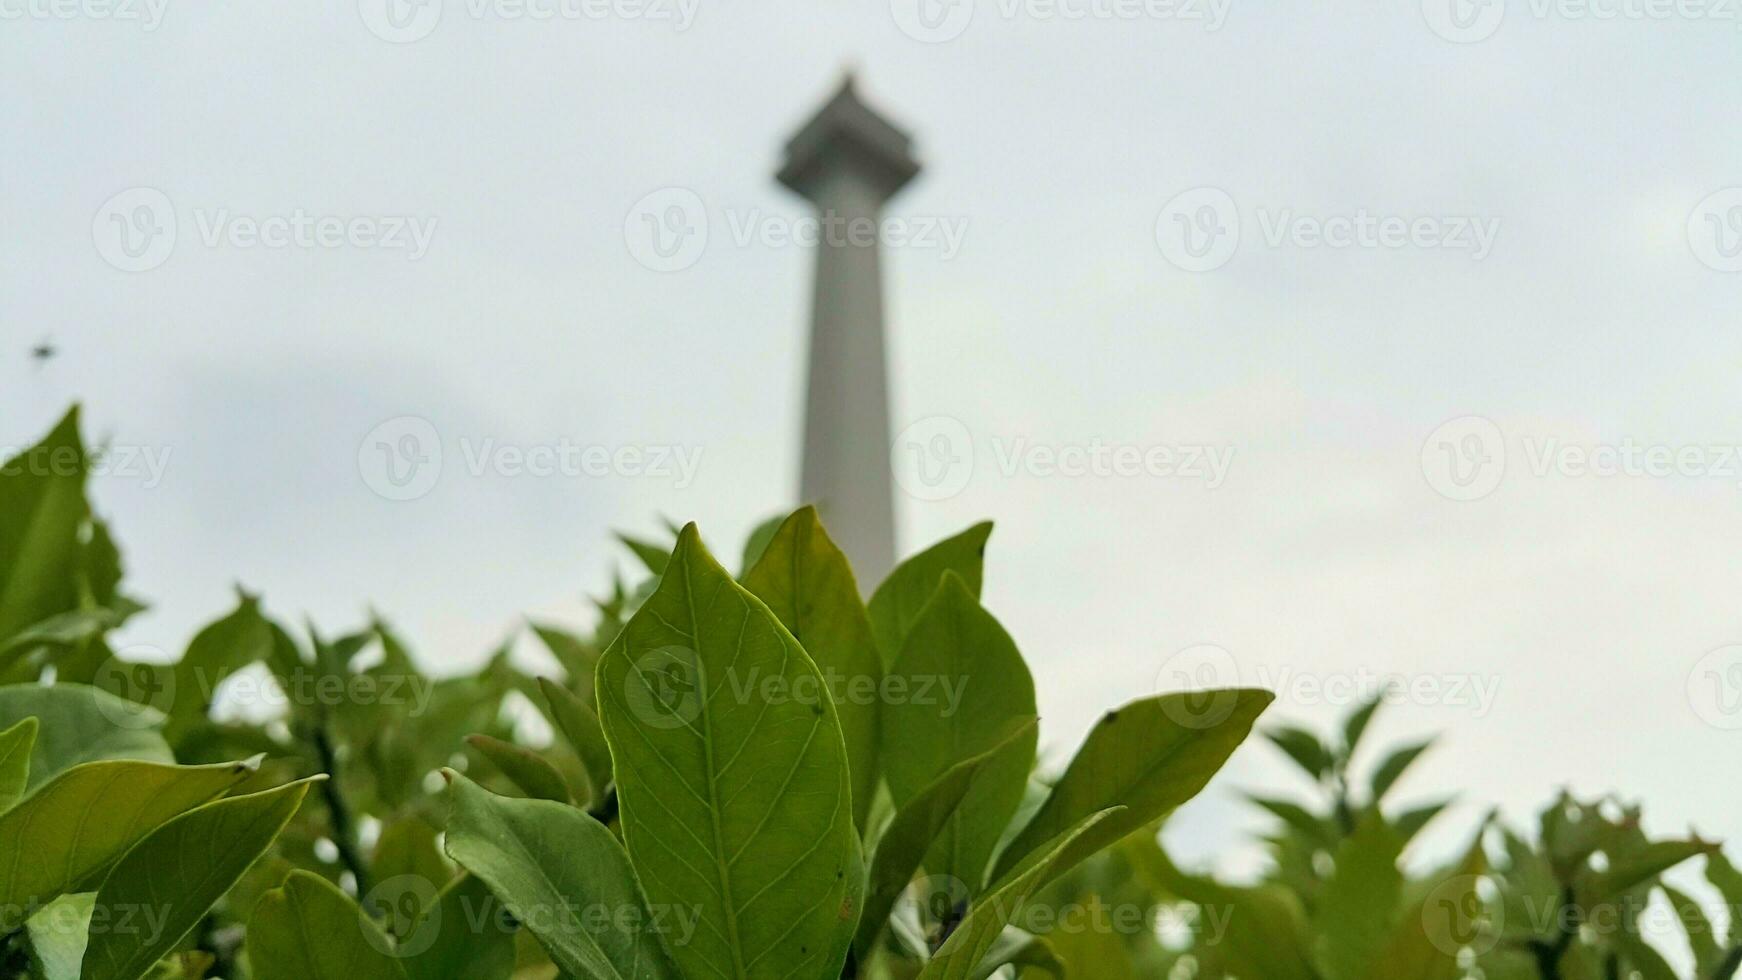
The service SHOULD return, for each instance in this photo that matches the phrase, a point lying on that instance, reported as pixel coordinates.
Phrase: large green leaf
(82, 724)
(307, 929)
(555, 868)
(1631, 870)
(42, 509)
(900, 597)
(465, 935)
(1356, 910)
(989, 914)
(15, 745)
(179, 872)
(965, 685)
(1148, 757)
(73, 827)
(806, 581)
(733, 776)
(904, 843)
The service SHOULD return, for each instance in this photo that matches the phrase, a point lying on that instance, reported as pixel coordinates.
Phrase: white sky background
(1326, 554)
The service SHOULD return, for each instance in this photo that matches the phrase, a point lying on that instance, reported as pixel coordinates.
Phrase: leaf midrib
(722, 872)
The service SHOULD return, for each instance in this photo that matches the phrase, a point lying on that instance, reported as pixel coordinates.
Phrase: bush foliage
(746, 776)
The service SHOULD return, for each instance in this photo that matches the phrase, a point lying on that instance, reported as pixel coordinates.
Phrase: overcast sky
(1517, 214)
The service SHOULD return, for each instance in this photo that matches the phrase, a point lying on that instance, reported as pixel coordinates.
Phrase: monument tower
(847, 161)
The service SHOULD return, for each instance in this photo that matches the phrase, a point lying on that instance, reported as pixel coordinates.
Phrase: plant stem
(339, 811)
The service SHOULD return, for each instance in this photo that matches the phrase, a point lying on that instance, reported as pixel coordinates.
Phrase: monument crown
(846, 132)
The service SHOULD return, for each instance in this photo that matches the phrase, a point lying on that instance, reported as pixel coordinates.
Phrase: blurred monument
(847, 161)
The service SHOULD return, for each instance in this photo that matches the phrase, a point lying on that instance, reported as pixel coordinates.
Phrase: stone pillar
(847, 161)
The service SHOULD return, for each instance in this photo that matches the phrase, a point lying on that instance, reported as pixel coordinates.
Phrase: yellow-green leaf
(80, 822)
(307, 929)
(806, 581)
(964, 686)
(733, 776)
(179, 872)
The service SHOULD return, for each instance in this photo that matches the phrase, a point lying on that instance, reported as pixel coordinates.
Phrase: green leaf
(732, 775)
(806, 582)
(580, 724)
(1314, 829)
(1628, 871)
(1728, 881)
(987, 917)
(1409, 823)
(307, 929)
(1394, 766)
(1357, 724)
(42, 509)
(909, 835)
(1702, 935)
(1147, 757)
(463, 936)
(1450, 917)
(965, 685)
(578, 659)
(57, 934)
(900, 598)
(757, 543)
(652, 555)
(180, 871)
(73, 827)
(1353, 922)
(15, 744)
(82, 724)
(554, 867)
(1304, 748)
(532, 773)
(218, 651)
